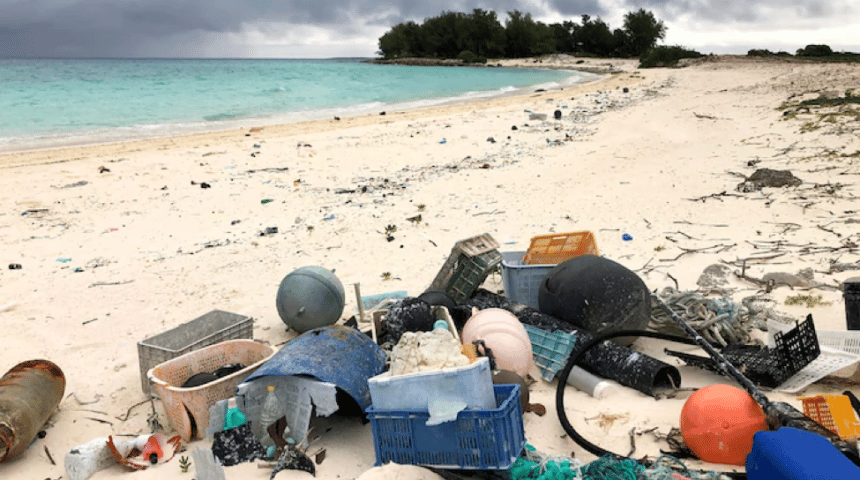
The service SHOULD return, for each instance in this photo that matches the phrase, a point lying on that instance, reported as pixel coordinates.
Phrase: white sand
(617, 163)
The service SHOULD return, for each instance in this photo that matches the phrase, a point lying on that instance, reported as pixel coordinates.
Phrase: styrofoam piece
(206, 465)
(85, 460)
(297, 395)
(470, 386)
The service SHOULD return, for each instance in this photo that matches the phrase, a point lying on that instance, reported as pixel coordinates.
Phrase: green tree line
(474, 37)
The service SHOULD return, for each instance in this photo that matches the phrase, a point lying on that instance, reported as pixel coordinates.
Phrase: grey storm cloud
(128, 27)
(67, 28)
(742, 11)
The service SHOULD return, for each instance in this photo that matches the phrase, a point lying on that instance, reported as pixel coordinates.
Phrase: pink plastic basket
(188, 408)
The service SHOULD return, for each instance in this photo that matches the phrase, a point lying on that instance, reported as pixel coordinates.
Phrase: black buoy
(596, 294)
(437, 298)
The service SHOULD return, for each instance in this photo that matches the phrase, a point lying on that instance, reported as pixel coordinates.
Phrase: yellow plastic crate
(833, 412)
(558, 247)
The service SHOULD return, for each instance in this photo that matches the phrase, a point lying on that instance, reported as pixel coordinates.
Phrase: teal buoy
(310, 297)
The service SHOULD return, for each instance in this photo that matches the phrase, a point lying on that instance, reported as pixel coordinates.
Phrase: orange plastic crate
(833, 412)
(558, 247)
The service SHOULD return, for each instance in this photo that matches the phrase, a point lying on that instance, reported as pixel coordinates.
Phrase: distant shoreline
(453, 62)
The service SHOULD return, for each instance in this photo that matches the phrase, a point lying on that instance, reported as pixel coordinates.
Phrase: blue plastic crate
(520, 281)
(489, 439)
(550, 350)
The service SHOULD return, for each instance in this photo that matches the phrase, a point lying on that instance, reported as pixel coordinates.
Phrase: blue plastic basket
(478, 439)
(550, 350)
(520, 281)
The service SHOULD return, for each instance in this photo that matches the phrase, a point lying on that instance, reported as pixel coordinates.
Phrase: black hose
(565, 373)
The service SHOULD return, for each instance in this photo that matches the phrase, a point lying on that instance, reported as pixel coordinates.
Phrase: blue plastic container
(478, 439)
(794, 454)
(520, 281)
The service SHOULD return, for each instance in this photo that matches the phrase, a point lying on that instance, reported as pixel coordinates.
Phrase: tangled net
(535, 466)
(719, 320)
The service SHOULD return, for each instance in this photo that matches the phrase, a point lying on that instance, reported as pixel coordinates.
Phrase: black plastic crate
(766, 367)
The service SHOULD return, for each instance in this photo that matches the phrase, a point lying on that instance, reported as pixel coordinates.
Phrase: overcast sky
(350, 28)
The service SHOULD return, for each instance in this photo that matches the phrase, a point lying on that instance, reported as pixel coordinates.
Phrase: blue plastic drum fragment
(339, 355)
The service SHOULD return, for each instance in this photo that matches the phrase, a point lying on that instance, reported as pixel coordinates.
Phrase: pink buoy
(502, 333)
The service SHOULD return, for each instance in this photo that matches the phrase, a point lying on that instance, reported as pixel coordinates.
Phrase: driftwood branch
(716, 249)
(714, 195)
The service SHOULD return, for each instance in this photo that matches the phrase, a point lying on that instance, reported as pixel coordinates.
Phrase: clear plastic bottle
(269, 414)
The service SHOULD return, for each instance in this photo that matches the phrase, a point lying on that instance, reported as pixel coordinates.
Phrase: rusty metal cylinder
(29, 393)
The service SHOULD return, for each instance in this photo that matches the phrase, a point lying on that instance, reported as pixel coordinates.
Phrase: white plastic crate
(830, 362)
(470, 386)
(840, 354)
(845, 340)
(520, 281)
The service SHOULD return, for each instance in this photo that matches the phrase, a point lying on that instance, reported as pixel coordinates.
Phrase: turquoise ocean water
(56, 102)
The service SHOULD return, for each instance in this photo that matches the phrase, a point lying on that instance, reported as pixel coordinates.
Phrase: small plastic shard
(443, 410)
(130, 453)
(206, 465)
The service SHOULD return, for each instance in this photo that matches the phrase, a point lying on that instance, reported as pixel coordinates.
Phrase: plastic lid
(603, 389)
(440, 325)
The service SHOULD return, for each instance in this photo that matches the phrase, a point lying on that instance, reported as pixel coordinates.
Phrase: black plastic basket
(766, 367)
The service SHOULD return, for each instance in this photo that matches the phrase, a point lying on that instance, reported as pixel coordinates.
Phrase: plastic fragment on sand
(206, 465)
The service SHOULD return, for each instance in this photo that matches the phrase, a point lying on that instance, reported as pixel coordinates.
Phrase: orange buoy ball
(718, 423)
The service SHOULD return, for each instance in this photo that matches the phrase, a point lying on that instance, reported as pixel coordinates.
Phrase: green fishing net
(536, 466)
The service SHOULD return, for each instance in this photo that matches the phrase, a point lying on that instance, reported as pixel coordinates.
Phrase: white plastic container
(470, 386)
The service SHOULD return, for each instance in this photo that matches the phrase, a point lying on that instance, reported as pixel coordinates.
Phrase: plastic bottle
(270, 414)
(152, 450)
(234, 417)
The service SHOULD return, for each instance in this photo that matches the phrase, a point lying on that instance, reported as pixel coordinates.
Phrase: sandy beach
(120, 242)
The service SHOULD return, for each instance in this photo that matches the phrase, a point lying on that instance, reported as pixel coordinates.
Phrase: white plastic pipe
(591, 384)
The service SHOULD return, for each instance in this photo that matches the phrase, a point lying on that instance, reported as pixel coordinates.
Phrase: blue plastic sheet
(339, 355)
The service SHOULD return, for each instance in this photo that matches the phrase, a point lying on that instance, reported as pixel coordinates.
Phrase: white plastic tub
(440, 392)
